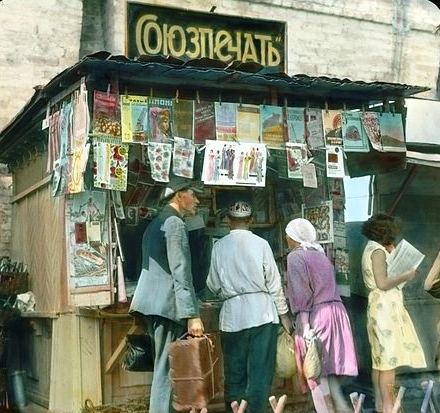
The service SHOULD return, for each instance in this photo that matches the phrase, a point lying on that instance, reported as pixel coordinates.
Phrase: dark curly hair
(381, 228)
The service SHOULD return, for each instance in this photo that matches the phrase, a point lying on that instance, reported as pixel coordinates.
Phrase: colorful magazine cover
(335, 162)
(134, 118)
(232, 163)
(391, 132)
(295, 126)
(110, 163)
(225, 121)
(353, 137)
(80, 144)
(183, 118)
(251, 164)
(248, 123)
(296, 157)
(87, 239)
(314, 131)
(106, 114)
(204, 122)
(160, 112)
(332, 124)
(370, 124)
(183, 157)
(321, 216)
(272, 125)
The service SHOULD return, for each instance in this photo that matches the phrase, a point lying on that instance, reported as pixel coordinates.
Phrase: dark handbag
(138, 354)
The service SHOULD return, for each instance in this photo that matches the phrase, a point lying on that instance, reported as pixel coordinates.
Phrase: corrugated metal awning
(207, 78)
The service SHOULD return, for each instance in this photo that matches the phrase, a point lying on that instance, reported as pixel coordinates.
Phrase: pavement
(412, 385)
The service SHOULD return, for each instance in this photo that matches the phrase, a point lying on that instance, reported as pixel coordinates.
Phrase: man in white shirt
(244, 275)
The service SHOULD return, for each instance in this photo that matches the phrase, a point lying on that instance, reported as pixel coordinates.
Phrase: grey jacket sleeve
(179, 259)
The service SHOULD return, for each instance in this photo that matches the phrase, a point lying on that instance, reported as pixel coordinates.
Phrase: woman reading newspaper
(393, 339)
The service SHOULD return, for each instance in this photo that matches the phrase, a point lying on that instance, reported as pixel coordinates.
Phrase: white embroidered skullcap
(301, 230)
(240, 209)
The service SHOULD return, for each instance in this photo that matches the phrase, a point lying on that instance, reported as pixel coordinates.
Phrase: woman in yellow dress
(393, 339)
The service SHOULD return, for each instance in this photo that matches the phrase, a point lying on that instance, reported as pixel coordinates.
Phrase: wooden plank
(119, 352)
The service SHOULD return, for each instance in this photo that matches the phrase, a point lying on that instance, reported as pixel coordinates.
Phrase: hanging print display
(88, 237)
(159, 155)
(183, 157)
(106, 114)
(225, 121)
(248, 123)
(370, 123)
(231, 163)
(204, 122)
(295, 125)
(321, 216)
(272, 125)
(353, 138)
(134, 118)
(332, 124)
(314, 131)
(110, 163)
(296, 158)
(391, 132)
(160, 120)
(183, 118)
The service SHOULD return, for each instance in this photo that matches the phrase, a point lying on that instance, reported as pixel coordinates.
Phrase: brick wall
(370, 40)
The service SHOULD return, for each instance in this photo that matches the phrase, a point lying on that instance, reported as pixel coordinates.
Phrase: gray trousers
(162, 331)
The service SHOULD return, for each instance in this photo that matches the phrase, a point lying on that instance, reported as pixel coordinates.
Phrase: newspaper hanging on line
(404, 257)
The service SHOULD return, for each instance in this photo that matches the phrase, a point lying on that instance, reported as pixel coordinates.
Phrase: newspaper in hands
(402, 259)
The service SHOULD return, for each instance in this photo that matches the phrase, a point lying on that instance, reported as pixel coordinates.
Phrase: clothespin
(278, 407)
(326, 106)
(200, 148)
(197, 97)
(108, 89)
(239, 408)
(177, 96)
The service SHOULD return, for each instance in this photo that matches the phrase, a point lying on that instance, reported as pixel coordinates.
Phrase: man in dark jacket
(165, 300)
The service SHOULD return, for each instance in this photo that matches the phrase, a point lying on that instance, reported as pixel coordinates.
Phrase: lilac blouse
(310, 280)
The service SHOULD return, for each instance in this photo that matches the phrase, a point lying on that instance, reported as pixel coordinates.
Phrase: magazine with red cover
(204, 122)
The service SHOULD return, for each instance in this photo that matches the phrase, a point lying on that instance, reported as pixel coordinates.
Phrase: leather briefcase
(196, 371)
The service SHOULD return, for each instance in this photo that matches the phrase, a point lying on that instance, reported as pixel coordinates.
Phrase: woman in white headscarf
(312, 294)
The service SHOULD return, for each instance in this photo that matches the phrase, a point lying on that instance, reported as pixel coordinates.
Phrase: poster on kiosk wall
(233, 163)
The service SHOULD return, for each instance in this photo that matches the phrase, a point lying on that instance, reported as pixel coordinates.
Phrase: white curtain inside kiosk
(422, 121)
(423, 131)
